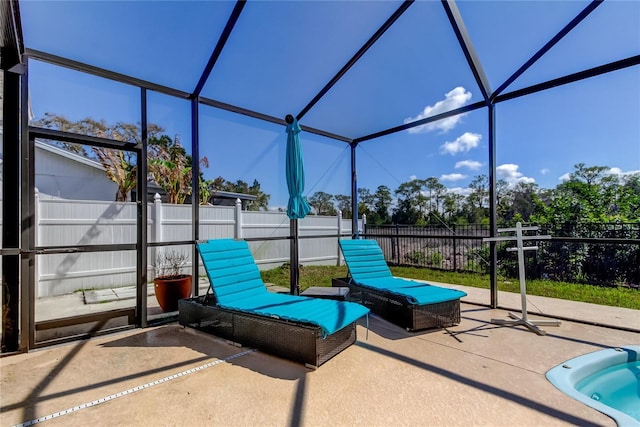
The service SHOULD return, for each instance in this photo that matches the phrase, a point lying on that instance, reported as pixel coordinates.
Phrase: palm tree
(171, 167)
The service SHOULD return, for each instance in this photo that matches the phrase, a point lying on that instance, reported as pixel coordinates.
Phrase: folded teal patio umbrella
(298, 207)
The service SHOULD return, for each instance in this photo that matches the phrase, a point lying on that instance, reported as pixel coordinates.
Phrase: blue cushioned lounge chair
(239, 307)
(408, 303)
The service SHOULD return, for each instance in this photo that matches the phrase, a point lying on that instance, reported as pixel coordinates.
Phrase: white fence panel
(77, 223)
(74, 222)
(217, 222)
(269, 253)
(318, 250)
(80, 222)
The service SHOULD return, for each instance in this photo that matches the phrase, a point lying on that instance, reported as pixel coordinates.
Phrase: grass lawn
(617, 297)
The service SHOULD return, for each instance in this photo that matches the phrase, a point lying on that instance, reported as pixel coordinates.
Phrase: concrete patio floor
(476, 373)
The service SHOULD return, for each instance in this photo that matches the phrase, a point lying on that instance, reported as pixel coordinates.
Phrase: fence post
(397, 244)
(238, 219)
(364, 224)
(339, 217)
(156, 215)
(455, 249)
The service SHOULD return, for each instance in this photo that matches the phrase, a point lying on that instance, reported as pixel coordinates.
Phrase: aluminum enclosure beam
(141, 222)
(493, 203)
(268, 118)
(11, 206)
(388, 23)
(571, 78)
(75, 138)
(354, 193)
(570, 26)
(27, 219)
(235, 14)
(101, 72)
(195, 194)
(431, 119)
(457, 23)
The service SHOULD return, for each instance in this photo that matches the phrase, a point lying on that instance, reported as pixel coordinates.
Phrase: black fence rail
(598, 254)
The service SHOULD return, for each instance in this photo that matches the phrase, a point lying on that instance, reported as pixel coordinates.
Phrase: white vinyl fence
(82, 222)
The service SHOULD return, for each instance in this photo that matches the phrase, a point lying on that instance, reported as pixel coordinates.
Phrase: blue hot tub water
(607, 380)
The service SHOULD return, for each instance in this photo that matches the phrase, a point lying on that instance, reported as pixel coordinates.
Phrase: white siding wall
(60, 176)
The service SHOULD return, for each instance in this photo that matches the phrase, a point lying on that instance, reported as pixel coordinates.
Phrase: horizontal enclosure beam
(101, 72)
(570, 26)
(424, 121)
(570, 78)
(267, 118)
(75, 138)
(122, 78)
(50, 250)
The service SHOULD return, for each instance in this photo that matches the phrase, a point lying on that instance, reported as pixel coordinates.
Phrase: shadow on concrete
(487, 388)
(211, 347)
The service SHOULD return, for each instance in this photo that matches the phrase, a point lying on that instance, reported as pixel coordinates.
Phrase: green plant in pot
(170, 283)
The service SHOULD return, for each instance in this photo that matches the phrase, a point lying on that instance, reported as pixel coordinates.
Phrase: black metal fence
(601, 254)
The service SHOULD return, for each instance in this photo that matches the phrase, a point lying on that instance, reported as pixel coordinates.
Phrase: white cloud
(459, 190)
(462, 144)
(452, 100)
(469, 164)
(544, 171)
(413, 177)
(612, 171)
(509, 172)
(452, 177)
(621, 173)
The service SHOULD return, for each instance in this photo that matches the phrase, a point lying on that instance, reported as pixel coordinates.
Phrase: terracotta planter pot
(171, 289)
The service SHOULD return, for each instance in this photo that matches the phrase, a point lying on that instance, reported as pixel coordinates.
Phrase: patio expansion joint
(134, 389)
(480, 356)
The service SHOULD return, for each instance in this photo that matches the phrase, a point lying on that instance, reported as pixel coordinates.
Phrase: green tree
(171, 167)
(582, 198)
(518, 203)
(476, 206)
(365, 203)
(242, 187)
(382, 203)
(322, 203)
(435, 191)
(452, 206)
(119, 165)
(411, 202)
(344, 205)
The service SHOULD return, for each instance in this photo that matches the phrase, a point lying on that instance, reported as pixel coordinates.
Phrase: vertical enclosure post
(195, 193)
(11, 205)
(354, 193)
(141, 206)
(493, 222)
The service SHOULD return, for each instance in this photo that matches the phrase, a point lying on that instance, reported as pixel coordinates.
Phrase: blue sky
(416, 69)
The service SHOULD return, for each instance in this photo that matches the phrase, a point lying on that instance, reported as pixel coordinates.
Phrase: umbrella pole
(295, 263)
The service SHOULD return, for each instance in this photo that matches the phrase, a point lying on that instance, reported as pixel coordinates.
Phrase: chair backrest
(232, 270)
(364, 259)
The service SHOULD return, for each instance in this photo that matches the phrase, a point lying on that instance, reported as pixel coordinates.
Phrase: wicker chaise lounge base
(410, 304)
(396, 309)
(299, 342)
(239, 308)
